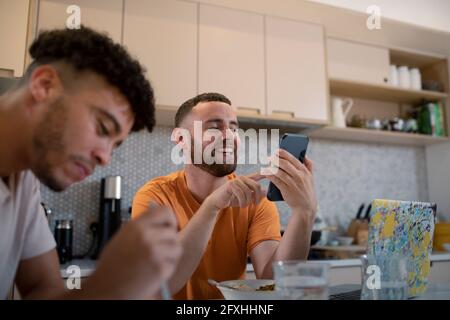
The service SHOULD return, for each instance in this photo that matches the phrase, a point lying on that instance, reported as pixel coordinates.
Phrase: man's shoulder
(28, 175)
(162, 182)
(265, 206)
(26, 181)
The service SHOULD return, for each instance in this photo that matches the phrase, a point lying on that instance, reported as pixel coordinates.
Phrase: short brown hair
(187, 106)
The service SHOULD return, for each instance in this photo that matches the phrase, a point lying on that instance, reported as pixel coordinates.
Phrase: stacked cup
(405, 77)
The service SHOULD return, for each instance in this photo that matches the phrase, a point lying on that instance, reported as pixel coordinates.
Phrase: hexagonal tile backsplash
(346, 175)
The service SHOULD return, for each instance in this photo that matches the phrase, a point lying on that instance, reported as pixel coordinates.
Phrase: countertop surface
(87, 266)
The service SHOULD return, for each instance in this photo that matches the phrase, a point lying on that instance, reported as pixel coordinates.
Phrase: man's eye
(102, 129)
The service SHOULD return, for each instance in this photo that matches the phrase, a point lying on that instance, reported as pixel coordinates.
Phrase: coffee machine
(109, 214)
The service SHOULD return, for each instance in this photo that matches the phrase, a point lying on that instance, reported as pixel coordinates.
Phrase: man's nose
(102, 155)
(228, 134)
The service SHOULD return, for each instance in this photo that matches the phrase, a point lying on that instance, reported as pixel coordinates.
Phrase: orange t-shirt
(237, 231)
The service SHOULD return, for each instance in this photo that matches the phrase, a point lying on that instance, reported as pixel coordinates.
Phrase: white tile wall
(346, 175)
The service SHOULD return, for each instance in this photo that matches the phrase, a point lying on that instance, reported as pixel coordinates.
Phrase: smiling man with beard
(224, 218)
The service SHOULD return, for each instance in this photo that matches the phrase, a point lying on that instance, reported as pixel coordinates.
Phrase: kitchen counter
(344, 263)
(87, 266)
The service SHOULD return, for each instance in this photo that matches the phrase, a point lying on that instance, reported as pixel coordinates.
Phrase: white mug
(340, 108)
(393, 76)
(416, 79)
(404, 77)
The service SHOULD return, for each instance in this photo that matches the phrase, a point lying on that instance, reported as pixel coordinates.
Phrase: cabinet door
(13, 36)
(357, 62)
(102, 15)
(231, 56)
(296, 76)
(163, 35)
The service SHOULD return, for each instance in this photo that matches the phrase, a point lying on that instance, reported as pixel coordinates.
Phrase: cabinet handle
(248, 111)
(6, 73)
(283, 114)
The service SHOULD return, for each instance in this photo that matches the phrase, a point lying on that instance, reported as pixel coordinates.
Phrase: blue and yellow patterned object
(404, 228)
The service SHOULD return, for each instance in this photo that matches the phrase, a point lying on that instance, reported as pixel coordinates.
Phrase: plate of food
(252, 289)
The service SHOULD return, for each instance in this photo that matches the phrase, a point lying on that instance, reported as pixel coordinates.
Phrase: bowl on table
(251, 289)
(344, 241)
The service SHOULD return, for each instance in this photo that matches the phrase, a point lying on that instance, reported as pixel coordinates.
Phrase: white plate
(246, 290)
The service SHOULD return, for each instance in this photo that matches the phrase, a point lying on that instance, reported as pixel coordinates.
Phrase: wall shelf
(376, 136)
(382, 92)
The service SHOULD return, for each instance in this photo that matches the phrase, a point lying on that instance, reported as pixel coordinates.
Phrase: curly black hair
(188, 105)
(87, 50)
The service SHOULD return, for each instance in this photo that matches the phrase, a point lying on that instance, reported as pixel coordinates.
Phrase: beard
(216, 169)
(48, 140)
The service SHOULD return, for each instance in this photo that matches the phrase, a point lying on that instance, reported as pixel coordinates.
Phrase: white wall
(438, 163)
(433, 14)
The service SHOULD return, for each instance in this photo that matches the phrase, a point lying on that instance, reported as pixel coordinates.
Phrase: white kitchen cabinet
(297, 83)
(357, 62)
(231, 56)
(102, 15)
(163, 35)
(13, 36)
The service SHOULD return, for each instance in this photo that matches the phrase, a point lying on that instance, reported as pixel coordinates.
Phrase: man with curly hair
(78, 100)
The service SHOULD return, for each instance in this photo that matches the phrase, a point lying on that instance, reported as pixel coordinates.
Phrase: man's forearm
(295, 243)
(194, 239)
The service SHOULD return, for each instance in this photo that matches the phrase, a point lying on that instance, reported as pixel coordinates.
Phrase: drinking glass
(385, 277)
(300, 280)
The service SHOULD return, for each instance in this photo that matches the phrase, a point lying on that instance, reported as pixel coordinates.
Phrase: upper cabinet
(102, 15)
(357, 62)
(297, 85)
(163, 36)
(231, 57)
(13, 36)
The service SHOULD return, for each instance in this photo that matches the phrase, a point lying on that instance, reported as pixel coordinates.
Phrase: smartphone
(295, 144)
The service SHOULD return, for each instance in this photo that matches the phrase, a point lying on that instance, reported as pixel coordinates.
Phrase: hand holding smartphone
(295, 144)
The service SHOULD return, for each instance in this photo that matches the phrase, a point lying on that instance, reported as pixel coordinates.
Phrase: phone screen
(295, 144)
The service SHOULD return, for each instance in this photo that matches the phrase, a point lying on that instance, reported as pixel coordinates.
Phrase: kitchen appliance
(340, 108)
(109, 215)
(64, 240)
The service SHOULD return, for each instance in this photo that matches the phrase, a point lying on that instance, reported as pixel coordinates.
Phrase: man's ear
(44, 83)
(182, 139)
(180, 136)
